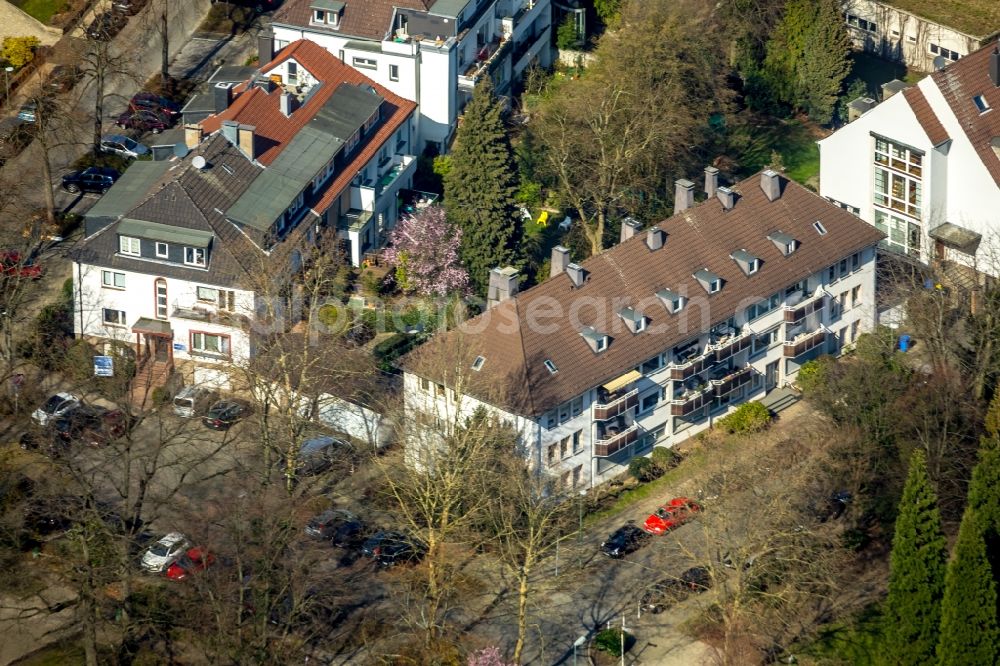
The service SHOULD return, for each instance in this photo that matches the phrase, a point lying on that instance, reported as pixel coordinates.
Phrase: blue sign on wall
(179, 346)
(104, 366)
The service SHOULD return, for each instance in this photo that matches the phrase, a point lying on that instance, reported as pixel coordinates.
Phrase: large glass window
(898, 189)
(209, 343)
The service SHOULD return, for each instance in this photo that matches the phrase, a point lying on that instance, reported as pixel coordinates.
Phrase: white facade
(440, 74)
(952, 183)
(666, 400)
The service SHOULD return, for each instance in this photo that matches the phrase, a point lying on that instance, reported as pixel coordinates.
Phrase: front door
(161, 349)
(771, 376)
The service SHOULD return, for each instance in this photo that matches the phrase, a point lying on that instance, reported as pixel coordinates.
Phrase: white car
(120, 144)
(55, 407)
(164, 552)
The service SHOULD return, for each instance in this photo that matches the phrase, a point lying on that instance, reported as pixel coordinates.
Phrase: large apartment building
(653, 340)
(923, 166)
(433, 52)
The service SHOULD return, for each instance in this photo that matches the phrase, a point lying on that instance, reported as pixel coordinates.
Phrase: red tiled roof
(925, 115)
(273, 129)
(369, 19)
(959, 83)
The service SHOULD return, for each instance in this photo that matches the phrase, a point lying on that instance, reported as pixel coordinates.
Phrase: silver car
(119, 144)
(164, 552)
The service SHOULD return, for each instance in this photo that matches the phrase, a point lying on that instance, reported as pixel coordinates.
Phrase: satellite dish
(199, 162)
(181, 150)
(939, 63)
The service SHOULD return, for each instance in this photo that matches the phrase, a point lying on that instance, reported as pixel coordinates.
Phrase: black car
(144, 120)
(318, 454)
(146, 101)
(325, 525)
(63, 77)
(662, 594)
(92, 424)
(223, 414)
(91, 179)
(106, 26)
(389, 548)
(624, 540)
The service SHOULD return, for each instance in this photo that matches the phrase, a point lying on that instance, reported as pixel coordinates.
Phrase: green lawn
(43, 10)
(791, 140)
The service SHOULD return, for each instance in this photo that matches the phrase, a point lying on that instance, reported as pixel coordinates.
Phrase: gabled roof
(369, 19)
(631, 275)
(925, 115)
(960, 82)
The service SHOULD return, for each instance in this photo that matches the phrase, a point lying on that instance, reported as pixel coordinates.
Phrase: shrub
(642, 469)
(748, 417)
(566, 35)
(665, 458)
(610, 641)
(334, 317)
(159, 396)
(19, 51)
(392, 348)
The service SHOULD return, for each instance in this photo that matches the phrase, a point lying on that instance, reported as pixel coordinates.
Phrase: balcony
(690, 364)
(487, 56)
(616, 405)
(796, 314)
(391, 174)
(732, 381)
(354, 219)
(209, 316)
(616, 441)
(690, 401)
(805, 342)
(730, 345)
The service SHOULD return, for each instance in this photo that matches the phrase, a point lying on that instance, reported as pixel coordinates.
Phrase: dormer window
(128, 245)
(327, 12)
(709, 281)
(477, 364)
(747, 262)
(550, 366)
(194, 256)
(636, 322)
(784, 242)
(673, 301)
(981, 103)
(597, 341)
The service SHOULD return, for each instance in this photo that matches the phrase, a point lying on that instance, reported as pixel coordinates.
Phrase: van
(193, 401)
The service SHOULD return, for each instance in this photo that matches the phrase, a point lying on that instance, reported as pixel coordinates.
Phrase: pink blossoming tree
(487, 657)
(424, 249)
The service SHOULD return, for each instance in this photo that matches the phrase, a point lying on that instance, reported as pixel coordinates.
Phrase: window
(863, 24)
(903, 235)
(602, 343)
(439, 390)
(564, 479)
(551, 367)
(765, 340)
(365, 63)
(648, 402)
(640, 324)
(981, 103)
(477, 365)
(843, 267)
(394, 72)
(911, 39)
(128, 245)
(831, 273)
(577, 475)
(944, 53)
(207, 294)
(820, 229)
(753, 266)
(320, 16)
(194, 256)
(578, 441)
(425, 385)
(551, 457)
(652, 365)
(293, 72)
(855, 296)
(855, 329)
(112, 279)
(210, 343)
(162, 250)
(714, 286)
(114, 317)
(161, 298)
(352, 143)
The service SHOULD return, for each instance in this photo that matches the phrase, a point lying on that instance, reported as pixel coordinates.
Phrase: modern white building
(924, 165)
(653, 340)
(190, 259)
(432, 52)
(919, 33)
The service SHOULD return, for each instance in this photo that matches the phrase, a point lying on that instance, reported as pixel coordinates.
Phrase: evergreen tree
(916, 573)
(480, 189)
(984, 489)
(968, 611)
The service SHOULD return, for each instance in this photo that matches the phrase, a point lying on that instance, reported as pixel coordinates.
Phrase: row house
(433, 52)
(651, 341)
(923, 166)
(922, 35)
(182, 258)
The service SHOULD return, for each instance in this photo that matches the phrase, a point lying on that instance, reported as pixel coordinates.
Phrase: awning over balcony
(623, 381)
(152, 327)
(956, 236)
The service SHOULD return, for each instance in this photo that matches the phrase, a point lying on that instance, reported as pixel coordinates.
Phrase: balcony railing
(690, 368)
(354, 219)
(690, 402)
(390, 175)
(804, 343)
(731, 345)
(617, 407)
(732, 382)
(488, 54)
(795, 314)
(617, 442)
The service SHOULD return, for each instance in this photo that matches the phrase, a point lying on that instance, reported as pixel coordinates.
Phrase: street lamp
(6, 81)
(577, 644)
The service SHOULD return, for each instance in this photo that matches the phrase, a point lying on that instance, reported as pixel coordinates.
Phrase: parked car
(671, 515)
(30, 110)
(318, 454)
(659, 596)
(62, 78)
(144, 120)
(147, 101)
(54, 407)
(194, 401)
(105, 26)
(164, 552)
(91, 179)
(225, 413)
(388, 548)
(194, 560)
(325, 524)
(15, 135)
(626, 539)
(119, 144)
(91, 424)
(14, 265)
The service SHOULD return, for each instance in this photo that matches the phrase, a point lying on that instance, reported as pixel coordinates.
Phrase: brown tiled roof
(369, 19)
(629, 274)
(261, 110)
(959, 83)
(925, 116)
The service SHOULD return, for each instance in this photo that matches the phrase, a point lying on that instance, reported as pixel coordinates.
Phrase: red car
(11, 263)
(673, 514)
(194, 560)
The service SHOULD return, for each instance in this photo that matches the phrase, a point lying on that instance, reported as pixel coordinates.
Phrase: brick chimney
(683, 195)
(192, 135)
(559, 261)
(995, 65)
